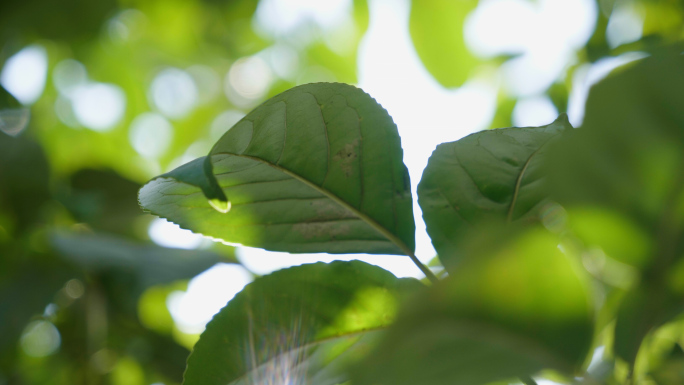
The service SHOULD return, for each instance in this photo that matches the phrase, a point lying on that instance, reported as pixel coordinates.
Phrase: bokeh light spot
(174, 93)
(278, 17)
(24, 74)
(207, 81)
(128, 24)
(223, 122)
(99, 106)
(248, 80)
(40, 339)
(14, 120)
(284, 60)
(150, 134)
(65, 112)
(74, 288)
(68, 75)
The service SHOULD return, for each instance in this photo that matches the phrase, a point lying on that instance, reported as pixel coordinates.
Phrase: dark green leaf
(72, 20)
(627, 159)
(151, 264)
(104, 200)
(492, 175)
(297, 324)
(437, 32)
(24, 177)
(505, 314)
(317, 168)
(25, 291)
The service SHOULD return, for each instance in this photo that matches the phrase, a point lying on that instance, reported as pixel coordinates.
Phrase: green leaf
(436, 28)
(151, 264)
(25, 289)
(627, 158)
(492, 175)
(317, 168)
(102, 199)
(506, 313)
(617, 235)
(25, 189)
(298, 322)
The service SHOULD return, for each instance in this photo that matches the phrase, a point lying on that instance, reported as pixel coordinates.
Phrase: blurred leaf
(671, 370)
(24, 177)
(664, 17)
(316, 169)
(492, 175)
(436, 28)
(641, 310)
(618, 236)
(151, 264)
(25, 290)
(504, 112)
(153, 310)
(71, 20)
(627, 158)
(502, 314)
(104, 200)
(287, 326)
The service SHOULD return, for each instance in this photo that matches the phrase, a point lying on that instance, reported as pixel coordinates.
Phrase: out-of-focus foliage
(627, 160)
(131, 89)
(76, 265)
(516, 306)
(77, 294)
(437, 31)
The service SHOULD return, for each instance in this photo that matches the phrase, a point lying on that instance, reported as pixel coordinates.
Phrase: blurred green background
(99, 96)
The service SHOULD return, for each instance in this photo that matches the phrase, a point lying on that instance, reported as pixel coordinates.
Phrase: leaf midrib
(370, 221)
(518, 182)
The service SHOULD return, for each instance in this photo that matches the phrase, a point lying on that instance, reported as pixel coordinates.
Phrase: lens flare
(276, 357)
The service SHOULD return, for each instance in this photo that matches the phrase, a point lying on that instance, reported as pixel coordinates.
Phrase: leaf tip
(220, 205)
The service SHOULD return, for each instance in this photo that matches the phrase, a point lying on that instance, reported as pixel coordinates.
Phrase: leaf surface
(317, 168)
(492, 175)
(296, 325)
(506, 313)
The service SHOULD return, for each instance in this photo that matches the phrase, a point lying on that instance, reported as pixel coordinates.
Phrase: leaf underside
(490, 176)
(317, 168)
(297, 325)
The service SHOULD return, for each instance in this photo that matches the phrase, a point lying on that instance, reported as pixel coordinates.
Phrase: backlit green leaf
(492, 175)
(437, 32)
(317, 168)
(503, 314)
(627, 158)
(296, 325)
